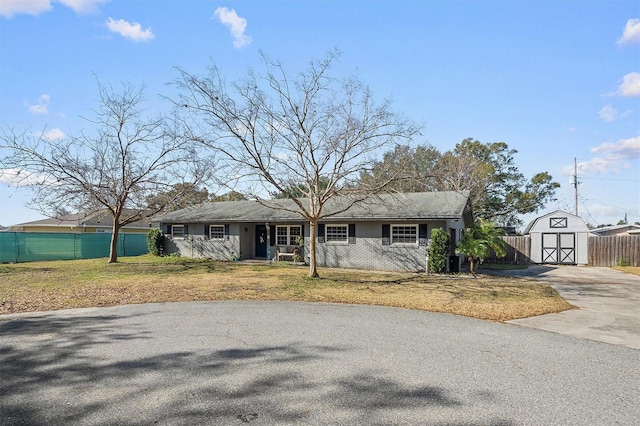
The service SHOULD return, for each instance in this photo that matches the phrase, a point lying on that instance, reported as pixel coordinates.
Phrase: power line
(610, 179)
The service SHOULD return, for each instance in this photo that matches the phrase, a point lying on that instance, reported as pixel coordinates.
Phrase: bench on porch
(287, 253)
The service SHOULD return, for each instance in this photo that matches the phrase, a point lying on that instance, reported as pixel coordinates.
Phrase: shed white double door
(559, 247)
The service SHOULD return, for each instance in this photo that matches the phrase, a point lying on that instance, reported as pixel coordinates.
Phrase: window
(288, 235)
(294, 233)
(216, 232)
(404, 234)
(336, 233)
(558, 222)
(177, 231)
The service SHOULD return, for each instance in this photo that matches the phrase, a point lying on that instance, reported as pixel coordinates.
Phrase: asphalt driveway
(607, 301)
(298, 363)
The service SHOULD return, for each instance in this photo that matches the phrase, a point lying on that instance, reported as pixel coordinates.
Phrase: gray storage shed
(559, 237)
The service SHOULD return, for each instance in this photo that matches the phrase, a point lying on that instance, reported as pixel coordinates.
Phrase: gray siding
(198, 245)
(368, 252)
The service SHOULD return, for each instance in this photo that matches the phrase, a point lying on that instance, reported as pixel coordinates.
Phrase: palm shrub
(477, 243)
(438, 251)
(155, 240)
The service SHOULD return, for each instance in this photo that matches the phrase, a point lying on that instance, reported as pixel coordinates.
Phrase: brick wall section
(198, 245)
(369, 253)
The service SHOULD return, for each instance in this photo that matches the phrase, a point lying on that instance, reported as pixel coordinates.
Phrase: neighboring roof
(402, 206)
(632, 229)
(553, 213)
(100, 219)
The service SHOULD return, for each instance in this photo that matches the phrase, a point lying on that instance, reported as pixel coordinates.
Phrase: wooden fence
(518, 251)
(602, 251)
(611, 251)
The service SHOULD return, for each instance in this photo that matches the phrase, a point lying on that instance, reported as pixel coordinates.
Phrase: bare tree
(307, 138)
(130, 158)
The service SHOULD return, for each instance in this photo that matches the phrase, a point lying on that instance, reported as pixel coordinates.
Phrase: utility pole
(575, 185)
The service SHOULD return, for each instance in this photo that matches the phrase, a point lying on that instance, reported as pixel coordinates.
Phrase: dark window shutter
(186, 230)
(226, 232)
(207, 231)
(272, 235)
(423, 234)
(321, 232)
(168, 229)
(302, 232)
(386, 234)
(352, 233)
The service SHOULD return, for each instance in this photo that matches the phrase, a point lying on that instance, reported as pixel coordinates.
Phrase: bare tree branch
(307, 138)
(129, 158)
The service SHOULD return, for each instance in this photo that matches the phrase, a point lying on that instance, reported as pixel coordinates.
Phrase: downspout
(426, 266)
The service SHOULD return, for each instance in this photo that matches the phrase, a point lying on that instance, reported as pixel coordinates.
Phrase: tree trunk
(471, 266)
(313, 268)
(113, 248)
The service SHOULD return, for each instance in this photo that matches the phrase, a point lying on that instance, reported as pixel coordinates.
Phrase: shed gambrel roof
(558, 213)
(401, 206)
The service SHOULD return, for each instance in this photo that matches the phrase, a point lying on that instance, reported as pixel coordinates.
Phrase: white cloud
(42, 107)
(17, 177)
(603, 210)
(283, 156)
(609, 113)
(236, 24)
(8, 8)
(609, 163)
(631, 33)
(630, 85)
(84, 6)
(131, 31)
(54, 134)
(626, 148)
(611, 157)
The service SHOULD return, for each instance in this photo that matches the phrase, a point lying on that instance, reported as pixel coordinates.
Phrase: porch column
(266, 224)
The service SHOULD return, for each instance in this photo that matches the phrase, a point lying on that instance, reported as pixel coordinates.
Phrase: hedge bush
(438, 251)
(155, 240)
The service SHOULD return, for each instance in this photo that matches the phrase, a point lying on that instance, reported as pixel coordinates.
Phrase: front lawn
(41, 286)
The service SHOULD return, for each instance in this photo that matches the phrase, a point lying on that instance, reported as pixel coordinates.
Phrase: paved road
(297, 363)
(608, 303)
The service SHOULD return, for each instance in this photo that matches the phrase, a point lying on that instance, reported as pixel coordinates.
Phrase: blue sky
(553, 79)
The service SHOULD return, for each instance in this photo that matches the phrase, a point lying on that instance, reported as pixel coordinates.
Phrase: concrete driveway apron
(607, 301)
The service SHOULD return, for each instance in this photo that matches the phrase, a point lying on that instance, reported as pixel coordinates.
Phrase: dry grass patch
(87, 283)
(635, 270)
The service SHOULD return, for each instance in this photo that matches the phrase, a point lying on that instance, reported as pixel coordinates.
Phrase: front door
(261, 241)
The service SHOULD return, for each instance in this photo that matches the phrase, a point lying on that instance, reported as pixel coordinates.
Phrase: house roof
(631, 229)
(99, 219)
(402, 206)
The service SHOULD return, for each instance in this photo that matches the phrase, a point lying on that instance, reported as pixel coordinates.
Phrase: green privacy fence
(33, 246)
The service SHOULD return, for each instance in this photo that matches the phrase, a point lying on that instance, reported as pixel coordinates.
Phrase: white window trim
(172, 232)
(326, 233)
(406, 225)
(211, 233)
(288, 234)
